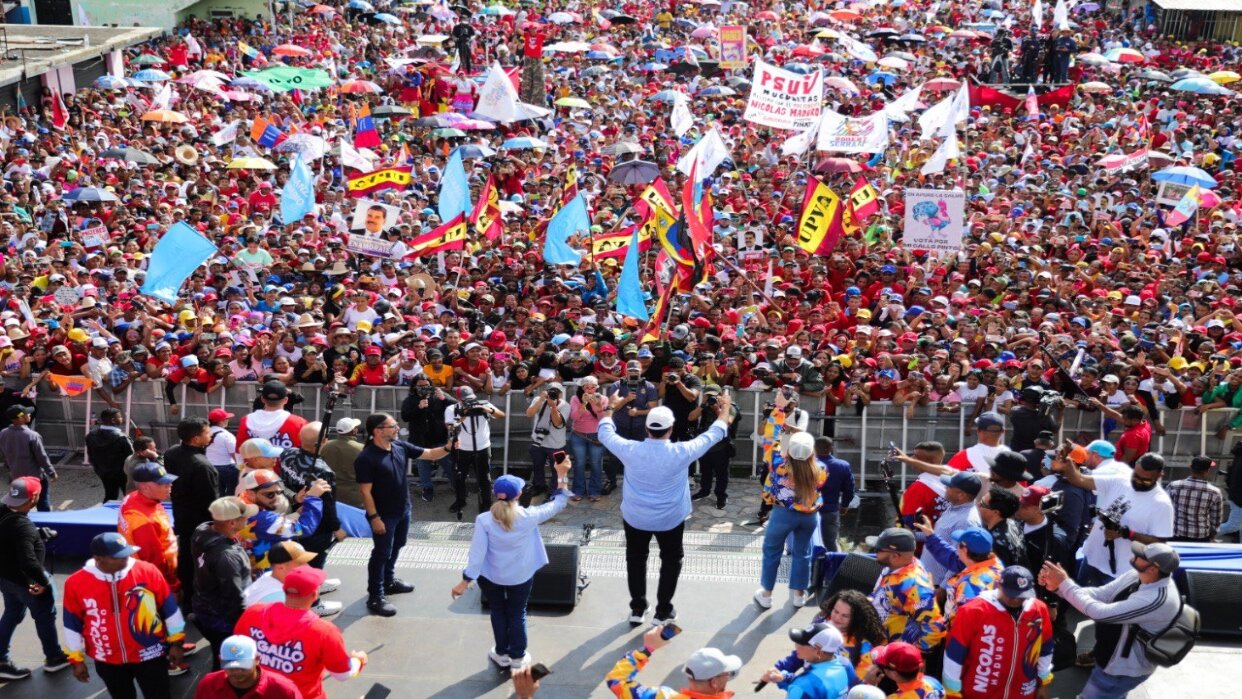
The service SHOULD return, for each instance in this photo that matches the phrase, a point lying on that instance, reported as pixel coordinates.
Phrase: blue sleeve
(790, 663)
(478, 553)
(847, 487)
(413, 451)
(607, 435)
(551, 508)
(944, 553)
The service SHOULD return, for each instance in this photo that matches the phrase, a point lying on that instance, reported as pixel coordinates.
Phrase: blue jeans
(426, 468)
(830, 529)
(17, 599)
(382, 567)
(540, 460)
(587, 452)
(1101, 685)
(45, 496)
(508, 608)
(1234, 523)
(229, 475)
(782, 523)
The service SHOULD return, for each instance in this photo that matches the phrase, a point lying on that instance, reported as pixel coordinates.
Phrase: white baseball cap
(347, 424)
(801, 446)
(660, 418)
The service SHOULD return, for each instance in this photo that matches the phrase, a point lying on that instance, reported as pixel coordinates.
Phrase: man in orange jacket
(145, 523)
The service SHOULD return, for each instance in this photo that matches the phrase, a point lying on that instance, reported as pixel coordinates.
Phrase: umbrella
(600, 55)
(1087, 7)
(150, 75)
(361, 5)
(1124, 55)
(1153, 74)
(433, 121)
(524, 143)
(132, 155)
(666, 96)
(1095, 86)
(249, 83)
(561, 18)
(90, 194)
(809, 51)
(475, 150)
(717, 91)
(828, 34)
(845, 15)
(596, 70)
(913, 38)
(634, 172)
(963, 34)
(883, 31)
(882, 76)
(894, 62)
(251, 163)
(573, 103)
(1185, 175)
(165, 116)
(148, 59)
(1186, 73)
(568, 47)
(1091, 58)
(768, 15)
(1224, 77)
(622, 19)
(652, 67)
(474, 125)
(800, 68)
(322, 10)
(704, 32)
(386, 111)
(941, 84)
(1200, 86)
(842, 84)
(683, 68)
(624, 148)
(311, 147)
(904, 55)
(110, 82)
(360, 87)
(387, 18)
(448, 133)
(837, 165)
(738, 82)
(292, 50)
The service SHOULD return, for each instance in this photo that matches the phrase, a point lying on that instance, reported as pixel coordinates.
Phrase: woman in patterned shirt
(793, 487)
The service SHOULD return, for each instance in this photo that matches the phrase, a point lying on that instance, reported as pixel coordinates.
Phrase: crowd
(1075, 285)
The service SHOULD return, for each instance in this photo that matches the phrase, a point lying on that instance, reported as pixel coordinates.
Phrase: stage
(437, 648)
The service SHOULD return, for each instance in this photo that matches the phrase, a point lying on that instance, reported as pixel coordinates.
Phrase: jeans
(1101, 685)
(714, 466)
(151, 676)
(587, 451)
(382, 567)
(113, 485)
(17, 599)
(480, 462)
(540, 460)
(508, 609)
(1089, 576)
(1234, 523)
(427, 468)
(782, 523)
(229, 475)
(45, 496)
(637, 549)
(829, 529)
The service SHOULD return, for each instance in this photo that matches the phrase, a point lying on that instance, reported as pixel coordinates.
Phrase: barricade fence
(862, 437)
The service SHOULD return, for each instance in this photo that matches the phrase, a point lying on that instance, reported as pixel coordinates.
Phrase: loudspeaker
(856, 572)
(558, 584)
(1214, 596)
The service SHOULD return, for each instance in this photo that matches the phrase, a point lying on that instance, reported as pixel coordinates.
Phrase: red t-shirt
(475, 370)
(1137, 438)
(271, 685)
(296, 643)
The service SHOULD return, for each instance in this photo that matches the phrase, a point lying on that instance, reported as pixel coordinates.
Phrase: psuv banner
(783, 99)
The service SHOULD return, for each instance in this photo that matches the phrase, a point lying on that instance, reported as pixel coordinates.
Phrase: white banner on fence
(846, 135)
(934, 220)
(783, 99)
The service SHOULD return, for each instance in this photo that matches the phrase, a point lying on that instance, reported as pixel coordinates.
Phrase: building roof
(1201, 5)
(34, 49)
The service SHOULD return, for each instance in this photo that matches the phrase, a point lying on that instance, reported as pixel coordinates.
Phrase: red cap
(373, 351)
(1033, 494)
(304, 581)
(900, 656)
(219, 414)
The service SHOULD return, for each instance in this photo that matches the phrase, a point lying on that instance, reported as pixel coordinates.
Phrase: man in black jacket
(423, 410)
(997, 509)
(300, 467)
(24, 582)
(195, 489)
(107, 447)
(221, 571)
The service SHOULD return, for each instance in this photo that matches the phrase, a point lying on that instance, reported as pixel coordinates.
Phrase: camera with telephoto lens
(673, 378)
(473, 408)
(46, 534)
(554, 394)
(709, 399)
(423, 391)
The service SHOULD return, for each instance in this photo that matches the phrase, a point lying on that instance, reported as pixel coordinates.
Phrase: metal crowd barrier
(862, 437)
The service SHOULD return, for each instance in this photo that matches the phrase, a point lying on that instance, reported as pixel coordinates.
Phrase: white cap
(793, 351)
(1133, 300)
(347, 424)
(801, 446)
(660, 418)
(829, 639)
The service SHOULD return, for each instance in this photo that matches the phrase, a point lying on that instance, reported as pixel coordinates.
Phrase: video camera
(1052, 503)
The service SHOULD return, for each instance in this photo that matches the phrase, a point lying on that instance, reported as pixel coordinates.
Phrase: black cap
(16, 411)
(1011, 466)
(896, 539)
(274, 390)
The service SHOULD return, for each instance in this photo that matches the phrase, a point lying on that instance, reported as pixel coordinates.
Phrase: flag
(352, 158)
(365, 135)
(454, 189)
(651, 331)
(1032, 103)
(571, 185)
(708, 154)
(570, 220)
(265, 133)
(451, 235)
(60, 115)
(84, 20)
(486, 214)
(1060, 16)
(820, 215)
(163, 98)
(72, 385)
(864, 200)
(940, 159)
(247, 49)
(297, 197)
(798, 143)
(1037, 14)
(606, 246)
(630, 301)
(226, 135)
(1028, 152)
(498, 99)
(697, 228)
(680, 118)
(379, 180)
(1185, 209)
(177, 254)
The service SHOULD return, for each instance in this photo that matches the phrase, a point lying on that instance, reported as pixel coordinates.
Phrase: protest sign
(366, 245)
(95, 237)
(373, 218)
(934, 220)
(843, 134)
(783, 99)
(732, 44)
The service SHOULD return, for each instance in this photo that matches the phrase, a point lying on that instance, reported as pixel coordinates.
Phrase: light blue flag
(174, 259)
(630, 289)
(570, 220)
(454, 189)
(297, 197)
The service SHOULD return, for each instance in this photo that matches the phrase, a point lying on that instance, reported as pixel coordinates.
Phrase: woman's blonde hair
(505, 512)
(805, 480)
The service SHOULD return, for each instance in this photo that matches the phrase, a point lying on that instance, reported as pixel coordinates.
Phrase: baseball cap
(257, 446)
(706, 663)
(967, 482)
(304, 581)
(259, 478)
(793, 351)
(16, 411)
(231, 507)
(1011, 466)
(660, 418)
(151, 472)
(289, 552)
(373, 351)
(896, 539)
(801, 446)
(1103, 448)
(977, 539)
(1034, 495)
(508, 487)
(820, 635)
(633, 365)
(899, 656)
(1160, 555)
(22, 490)
(219, 414)
(1017, 582)
(112, 545)
(989, 420)
(238, 653)
(347, 424)
(274, 390)
(865, 691)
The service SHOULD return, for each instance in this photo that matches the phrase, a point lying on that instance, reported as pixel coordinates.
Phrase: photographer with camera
(714, 465)
(24, 582)
(549, 433)
(641, 397)
(679, 392)
(423, 411)
(467, 422)
(1031, 416)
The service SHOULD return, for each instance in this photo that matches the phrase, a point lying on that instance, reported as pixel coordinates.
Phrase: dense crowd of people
(1075, 285)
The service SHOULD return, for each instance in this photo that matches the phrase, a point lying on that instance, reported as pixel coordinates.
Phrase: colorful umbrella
(360, 87)
(837, 165)
(165, 116)
(132, 155)
(524, 143)
(148, 59)
(251, 163)
(476, 150)
(845, 15)
(150, 75)
(361, 5)
(110, 82)
(322, 10)
(1124, 55)
(387, 18)
(90, 194)
(561, 18)
(1095, 86)
(448, 133)
(1224, 77)
(842, 84)
(1200, 86)
(942, 84)
(1185, 175)
(895, 62)
(573, 103)
(291, 50)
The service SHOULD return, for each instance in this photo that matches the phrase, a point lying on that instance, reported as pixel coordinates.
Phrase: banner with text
(935, 220)
(732, 45)
(783, 99)
(843, 134)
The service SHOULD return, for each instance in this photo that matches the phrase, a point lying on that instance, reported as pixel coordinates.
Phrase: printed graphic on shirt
(286, 658)
(145, 625)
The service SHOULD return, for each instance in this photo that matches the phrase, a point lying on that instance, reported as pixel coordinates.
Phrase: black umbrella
(683, 68)
(883, 32)
(623, 19)
(390, 110)
(634, 172)
(133, 155)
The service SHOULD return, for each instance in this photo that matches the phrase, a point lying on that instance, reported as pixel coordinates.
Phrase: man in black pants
(474, 451)
(641, 397)
(714, 465)
(195, 489)
(107, 447)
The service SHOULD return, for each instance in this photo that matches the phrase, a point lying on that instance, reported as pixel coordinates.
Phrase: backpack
(1167, 647)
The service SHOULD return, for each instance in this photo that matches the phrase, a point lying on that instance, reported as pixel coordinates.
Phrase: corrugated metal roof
(1202, 5)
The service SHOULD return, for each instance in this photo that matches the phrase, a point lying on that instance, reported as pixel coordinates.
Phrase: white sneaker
(519, 663)
(330, 585)
(762, 599)
(326, 609)
(798, 598)
(501, 660)
(637, 619)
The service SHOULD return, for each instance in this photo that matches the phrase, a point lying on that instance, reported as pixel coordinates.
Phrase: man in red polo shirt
(240, 675)
(472, 370)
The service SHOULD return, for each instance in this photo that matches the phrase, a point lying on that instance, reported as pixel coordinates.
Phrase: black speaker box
(558, 583)
(1215, 597)
(856, 572)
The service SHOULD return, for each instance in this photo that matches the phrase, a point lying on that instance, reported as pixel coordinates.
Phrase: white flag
(948, 149)
(351, 157)
(193, 49)
(1037, 14)
(767, 285)
(1060, 16)
(226, 135)
(798, 143)
(858, 49)
(681, 119)
(163, 98)
(710, 152)
(497, 98)
(932, 120)
(1028, 152)
(905, 104)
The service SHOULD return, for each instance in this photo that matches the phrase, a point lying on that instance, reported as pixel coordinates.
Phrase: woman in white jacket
(504, 555)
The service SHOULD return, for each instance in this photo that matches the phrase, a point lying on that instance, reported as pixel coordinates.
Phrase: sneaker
(720, 503)
(428, 494)
(662, 619)
(9, 671)
(519, 663)
(397, 587)
(455, 508)
(381, 606)
(637, 618)
(763, 600)
(798, 599)
(189, 648)
(609, 486)
(330, 585)
(326, 609)
(175, 669)
(501, 660)
(56, 664)
(701, 495)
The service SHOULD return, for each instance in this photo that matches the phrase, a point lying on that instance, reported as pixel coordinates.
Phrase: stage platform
(436, 647)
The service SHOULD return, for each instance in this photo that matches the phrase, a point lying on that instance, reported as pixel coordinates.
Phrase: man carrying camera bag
(641, 397)
(549, 433)
(468, 421)
(24, 582)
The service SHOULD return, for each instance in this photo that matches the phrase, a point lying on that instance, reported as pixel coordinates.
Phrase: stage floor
(437, 648)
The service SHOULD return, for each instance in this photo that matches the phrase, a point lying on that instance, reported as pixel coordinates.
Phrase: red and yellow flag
(449, 236)
(486, 215)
